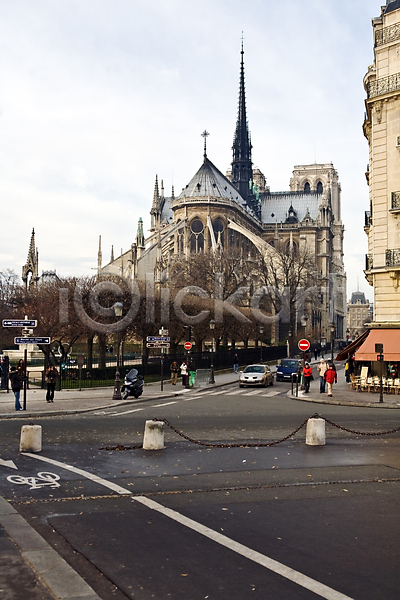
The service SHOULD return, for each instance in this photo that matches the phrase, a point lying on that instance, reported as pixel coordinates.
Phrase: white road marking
(217, 393)
(8, 463)
(164, 404)
(254, 393)
(234, 393)
(272, 394)
(269, 563)
(126, 412)
(108, 484)
(192, 398)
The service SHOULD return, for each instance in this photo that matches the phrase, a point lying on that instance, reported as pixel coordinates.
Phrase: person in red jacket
(330, 377)
(307, 377)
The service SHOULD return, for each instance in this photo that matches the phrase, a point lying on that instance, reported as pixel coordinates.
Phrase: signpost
(188, 345)
(24, 323)
(379, 352)
(159, 341)
(304, 345)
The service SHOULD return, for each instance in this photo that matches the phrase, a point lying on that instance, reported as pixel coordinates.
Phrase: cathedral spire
(30, 271)
(99, 257)
(140, 234)
(242, 166)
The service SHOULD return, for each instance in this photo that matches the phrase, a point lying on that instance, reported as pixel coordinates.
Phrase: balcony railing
(395, 200)
(385, 85)
(368, 262)
(393, 257)
(367, 217)
(387, 34)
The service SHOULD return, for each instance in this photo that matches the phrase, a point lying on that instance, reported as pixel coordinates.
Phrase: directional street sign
(11, 323)
(157, 338)
(31, 340)
(304, 345)
(157, 345)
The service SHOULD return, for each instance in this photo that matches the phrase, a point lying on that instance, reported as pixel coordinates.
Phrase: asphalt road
(287, 521)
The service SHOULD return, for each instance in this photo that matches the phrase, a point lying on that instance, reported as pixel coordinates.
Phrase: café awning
(352, 347)
(390, 338)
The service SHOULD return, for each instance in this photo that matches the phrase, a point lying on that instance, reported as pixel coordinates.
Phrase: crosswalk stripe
(253, 393)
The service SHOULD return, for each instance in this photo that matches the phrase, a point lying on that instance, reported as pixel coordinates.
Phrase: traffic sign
(157, 345)
(188, 345)
(11, 323)
(157, 338)
(303, 345)
(81, 361)
(31, 340)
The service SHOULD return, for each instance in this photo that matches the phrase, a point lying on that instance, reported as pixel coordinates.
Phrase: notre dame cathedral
(222, 213)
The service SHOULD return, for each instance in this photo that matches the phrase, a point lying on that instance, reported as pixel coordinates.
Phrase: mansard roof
(391, 6)
(210, 183)
(276, 205)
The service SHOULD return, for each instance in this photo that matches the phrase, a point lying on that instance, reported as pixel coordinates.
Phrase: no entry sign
(304, 345)
(188, 345)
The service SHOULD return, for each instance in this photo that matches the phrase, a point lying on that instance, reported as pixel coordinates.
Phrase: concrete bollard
(153, 438)
(315, 433)
(31, 438)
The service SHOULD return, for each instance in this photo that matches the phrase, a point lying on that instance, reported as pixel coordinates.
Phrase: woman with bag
(184, 373)
(307, 377)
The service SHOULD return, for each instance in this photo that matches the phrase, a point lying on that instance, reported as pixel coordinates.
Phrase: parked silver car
(256, 375)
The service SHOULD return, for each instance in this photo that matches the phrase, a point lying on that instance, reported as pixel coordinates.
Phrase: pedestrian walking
(16, 386)
(322, 368)
(51, 380)
(184, 372)
(174, 368)
(21, 367)
(347, 371)
(307, 377)
(330, 377)
(235, 363)
(192, 373)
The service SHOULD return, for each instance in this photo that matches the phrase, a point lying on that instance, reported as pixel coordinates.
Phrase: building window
(218, 227)
(320, 187)
(307, 188)
(197, 236)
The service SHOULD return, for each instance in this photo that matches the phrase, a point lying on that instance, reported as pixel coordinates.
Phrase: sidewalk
(90, 399)
(343, 395)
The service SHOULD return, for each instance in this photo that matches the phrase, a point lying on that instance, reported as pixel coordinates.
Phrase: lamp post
(332, 340)
(212, 327)
(117, 385)
(261, 332)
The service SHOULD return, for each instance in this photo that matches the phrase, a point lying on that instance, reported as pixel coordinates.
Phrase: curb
(344, 402)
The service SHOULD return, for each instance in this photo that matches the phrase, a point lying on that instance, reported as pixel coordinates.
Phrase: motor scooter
(133, 384)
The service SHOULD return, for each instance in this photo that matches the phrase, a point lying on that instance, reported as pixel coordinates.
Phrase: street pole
(212, 327)
(117, 384)
(25, 362)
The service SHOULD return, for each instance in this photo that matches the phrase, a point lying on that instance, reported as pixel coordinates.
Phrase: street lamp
(261, 332)
(212, 327)
(118, 306)
(332, 340)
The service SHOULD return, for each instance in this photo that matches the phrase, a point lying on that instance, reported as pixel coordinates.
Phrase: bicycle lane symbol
(42, 479)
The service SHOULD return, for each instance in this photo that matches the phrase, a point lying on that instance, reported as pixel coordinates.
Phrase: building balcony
(385, 85)
(369, 263)
(395, 206)
(393, 258)
(387, 35)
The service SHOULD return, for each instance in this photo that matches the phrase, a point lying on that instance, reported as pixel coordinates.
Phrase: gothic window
(197, 236)
(218, 227)
(307, 188)
(320, 187)
(291, 248)
(181, 241)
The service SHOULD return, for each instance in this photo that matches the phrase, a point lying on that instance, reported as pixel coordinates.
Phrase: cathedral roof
(276, 206)
(209, 182)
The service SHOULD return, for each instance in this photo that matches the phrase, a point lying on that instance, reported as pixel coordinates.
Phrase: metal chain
(254, 444)
(232, 445)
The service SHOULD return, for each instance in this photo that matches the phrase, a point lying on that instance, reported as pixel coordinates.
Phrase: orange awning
(352, 347)
(390, 338)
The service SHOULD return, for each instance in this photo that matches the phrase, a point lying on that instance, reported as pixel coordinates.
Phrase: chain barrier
(254, 444)
(232, 445)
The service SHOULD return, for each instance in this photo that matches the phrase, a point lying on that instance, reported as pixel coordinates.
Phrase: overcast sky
(97, 96)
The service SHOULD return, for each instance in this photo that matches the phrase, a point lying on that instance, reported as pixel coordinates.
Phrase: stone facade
(358, 314)
(238, 213)
(382, 130)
